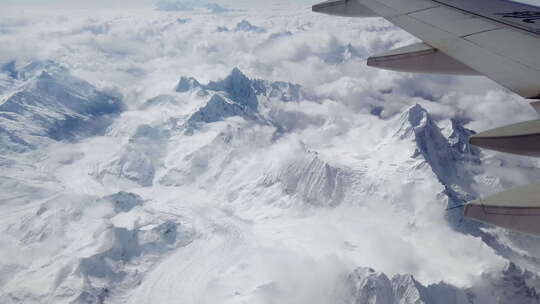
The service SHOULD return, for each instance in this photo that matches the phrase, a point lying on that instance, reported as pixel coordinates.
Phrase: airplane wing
(496, 38)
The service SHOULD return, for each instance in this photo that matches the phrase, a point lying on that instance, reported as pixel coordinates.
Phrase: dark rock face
(10, 69)
(283, 91)
(234, 96)
(124, 201)
(187, 84)
(450, 158)
(238, 88)
(217, 109)
(54, 105)
(246, 26)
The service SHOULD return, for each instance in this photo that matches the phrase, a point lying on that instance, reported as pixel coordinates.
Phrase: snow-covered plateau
(160, 169)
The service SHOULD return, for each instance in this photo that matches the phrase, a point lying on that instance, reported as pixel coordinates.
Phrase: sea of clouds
(140, 50)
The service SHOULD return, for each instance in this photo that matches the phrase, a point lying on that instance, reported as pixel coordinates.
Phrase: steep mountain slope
(46, 103)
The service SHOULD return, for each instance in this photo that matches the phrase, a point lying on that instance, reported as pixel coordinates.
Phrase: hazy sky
(124, 3)
(12, 7)
(136, 3)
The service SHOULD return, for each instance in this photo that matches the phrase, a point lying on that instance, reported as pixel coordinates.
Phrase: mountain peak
(412, 121)
(187, 84)
(44, 77)
(37, 67)
(10, 69)
(366, 285)
(417, 124)
(369, 286)
(237, 79)
(246, 26)
(238, 88)
(444, 155)
(216, 109)
(237, 73)
(459, 139)
(417, 116)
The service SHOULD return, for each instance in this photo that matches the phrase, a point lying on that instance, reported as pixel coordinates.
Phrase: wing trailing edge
(343, 8)
(521, 139)
(517, 209)
(419, 58)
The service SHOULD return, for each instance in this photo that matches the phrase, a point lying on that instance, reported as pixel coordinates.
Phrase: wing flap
(516, 209)
(419, 58)
(522, 139)
(504, 70)
(344, 8)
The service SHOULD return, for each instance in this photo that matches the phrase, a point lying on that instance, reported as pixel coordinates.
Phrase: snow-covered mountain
(365, 285)
(241, 191)
(44, 102)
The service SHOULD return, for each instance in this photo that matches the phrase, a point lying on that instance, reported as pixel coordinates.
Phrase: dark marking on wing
(525, 16)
